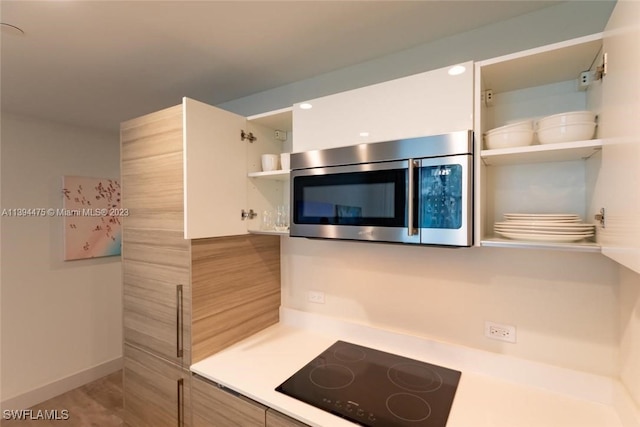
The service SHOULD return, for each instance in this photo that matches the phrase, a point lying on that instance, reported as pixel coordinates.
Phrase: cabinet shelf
(540, 66)
(565, 151)
(281, 119)
(498, 242)
(278, 175)
(270, 232)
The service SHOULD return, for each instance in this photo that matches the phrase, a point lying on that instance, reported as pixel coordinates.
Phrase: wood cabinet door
(429, 103)
(277, 419)
(157, 293)
(156, 257)
(235, 290)
(156, 392)
(215, 174)
(151, 170)
(215, 407)
(619, 178)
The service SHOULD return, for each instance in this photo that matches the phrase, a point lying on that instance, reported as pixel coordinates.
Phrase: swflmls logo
(40, 414)
(365, 233)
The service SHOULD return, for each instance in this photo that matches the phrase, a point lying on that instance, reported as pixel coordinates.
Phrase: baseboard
(63, 385)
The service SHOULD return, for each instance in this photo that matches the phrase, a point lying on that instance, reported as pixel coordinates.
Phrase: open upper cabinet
(538, 178)
(224, 194)
(579, 177)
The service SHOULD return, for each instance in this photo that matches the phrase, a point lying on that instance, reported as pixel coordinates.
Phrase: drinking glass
(282, 218)
(267, 220)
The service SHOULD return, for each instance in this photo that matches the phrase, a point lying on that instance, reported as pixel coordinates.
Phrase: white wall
(630, 331)
(1, 392)
(553, 24)
(61, 321)
(564, 304)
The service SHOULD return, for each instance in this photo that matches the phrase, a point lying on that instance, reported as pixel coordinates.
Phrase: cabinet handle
(179, 333)
(181, 402)
(411, 230)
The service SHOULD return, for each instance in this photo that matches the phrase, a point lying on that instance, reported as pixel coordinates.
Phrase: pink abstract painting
(92, 217)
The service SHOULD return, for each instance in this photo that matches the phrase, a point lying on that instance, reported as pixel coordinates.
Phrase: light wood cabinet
(236, 290)
(157, 392)
(156, 317)
(215, 407)
(155, 256)
(200, 164)
(277, 419)
(184, 299)
(430, 103)
(232, 292)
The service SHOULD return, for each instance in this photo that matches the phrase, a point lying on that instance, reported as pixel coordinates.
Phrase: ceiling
(97, 63)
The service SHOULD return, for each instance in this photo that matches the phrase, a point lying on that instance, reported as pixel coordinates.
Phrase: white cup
(284, 161)
(269, 162)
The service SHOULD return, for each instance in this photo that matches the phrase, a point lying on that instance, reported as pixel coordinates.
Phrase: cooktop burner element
(374, 388)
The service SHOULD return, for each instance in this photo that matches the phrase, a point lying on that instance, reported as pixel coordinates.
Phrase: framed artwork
(92, 217)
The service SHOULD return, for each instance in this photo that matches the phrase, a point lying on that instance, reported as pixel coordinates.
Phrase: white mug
(284, 161)
(269, 162)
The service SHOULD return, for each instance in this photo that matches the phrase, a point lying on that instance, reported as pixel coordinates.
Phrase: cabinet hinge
(247, 215)
(601, 70)
(600, 217)
(247, 135)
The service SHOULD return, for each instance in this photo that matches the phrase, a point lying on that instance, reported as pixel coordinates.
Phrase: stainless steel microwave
(416, 191)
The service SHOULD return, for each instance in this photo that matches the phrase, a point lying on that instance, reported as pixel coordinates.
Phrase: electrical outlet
(316, 297)
(500, 332)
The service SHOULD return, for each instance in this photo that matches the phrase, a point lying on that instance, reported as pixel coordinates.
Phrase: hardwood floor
(97, 404)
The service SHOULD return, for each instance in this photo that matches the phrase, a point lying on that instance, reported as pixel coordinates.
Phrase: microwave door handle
(411, 230)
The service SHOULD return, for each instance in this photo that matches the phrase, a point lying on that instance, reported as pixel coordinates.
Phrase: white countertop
(494, 390)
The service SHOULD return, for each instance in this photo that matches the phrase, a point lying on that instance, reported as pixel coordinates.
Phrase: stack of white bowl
(559, 227)
(511, 135)
(566, 127)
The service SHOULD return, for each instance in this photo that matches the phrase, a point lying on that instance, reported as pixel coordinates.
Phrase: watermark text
(35, 414)
(62, 212)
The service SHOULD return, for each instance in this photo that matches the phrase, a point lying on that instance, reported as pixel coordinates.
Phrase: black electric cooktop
(373, 388)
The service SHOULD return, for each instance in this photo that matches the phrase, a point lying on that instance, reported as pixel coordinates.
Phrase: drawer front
(277, 419)
(156, 392)
(215, 407)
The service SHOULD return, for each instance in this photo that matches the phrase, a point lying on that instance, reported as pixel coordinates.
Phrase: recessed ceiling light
(306, 106)
(363, 134)
(456, 70)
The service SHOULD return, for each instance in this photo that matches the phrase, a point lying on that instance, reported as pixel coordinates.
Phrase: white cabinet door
(429, 103)
(215, 174)
(618, 126)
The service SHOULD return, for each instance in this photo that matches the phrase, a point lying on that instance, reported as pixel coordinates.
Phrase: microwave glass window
(441, 197)
(357, 198)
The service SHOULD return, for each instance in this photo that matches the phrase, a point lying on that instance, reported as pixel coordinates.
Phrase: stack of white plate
(544, 227)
